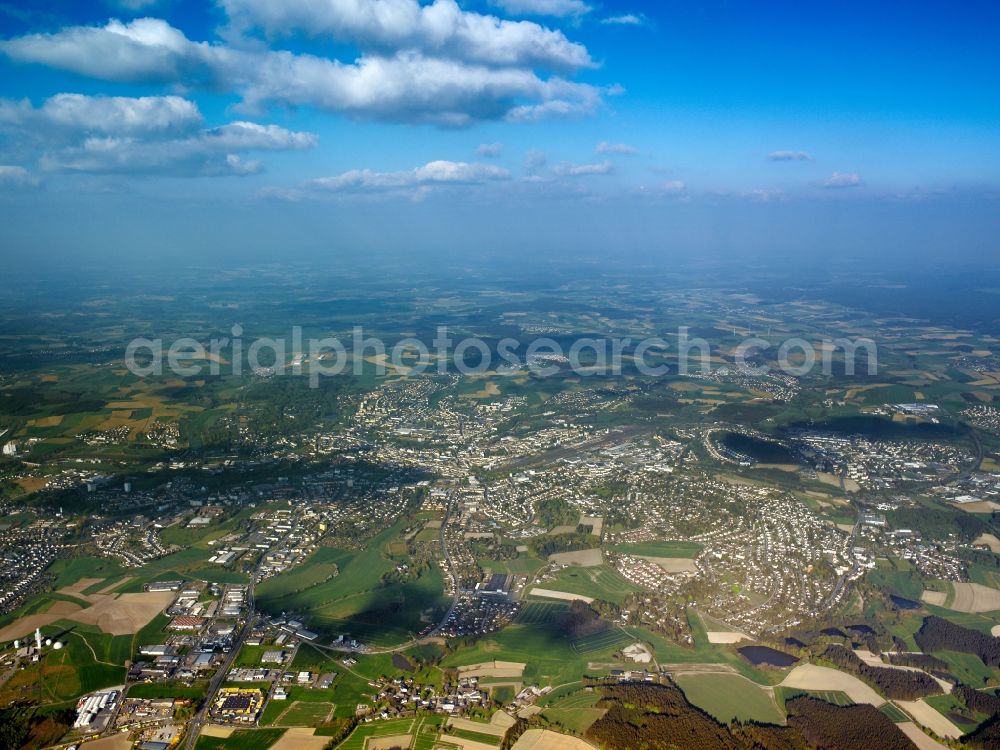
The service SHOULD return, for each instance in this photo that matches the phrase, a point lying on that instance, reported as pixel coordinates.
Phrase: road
(451, 567)
(199, 720)
(433, 634)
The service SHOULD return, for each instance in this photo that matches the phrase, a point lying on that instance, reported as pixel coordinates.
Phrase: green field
(90, 660)
(304, 714)
(836, 697)
(729, 696)
(660, 549)
(355, 601)
(598, 582)
(358, 738)
(466, 734)
(241, 739)
(893, 713)
(547, 650)
(575, 712)
(601, 642)
(535, 612)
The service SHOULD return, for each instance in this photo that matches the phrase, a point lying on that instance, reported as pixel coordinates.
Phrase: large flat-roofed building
(497, 585)
(238, 704)
(185, 622)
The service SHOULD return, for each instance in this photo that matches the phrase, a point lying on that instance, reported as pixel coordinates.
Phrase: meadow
(355, 601)
(241, 739)
(730, 696)
(598, 582)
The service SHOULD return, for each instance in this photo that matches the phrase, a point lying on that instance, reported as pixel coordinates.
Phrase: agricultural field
(546, 650)
(90, 660)
(304, 714)
(574, 712)
(355, 601)
(730, 697)
(660, 549)
(600, 642)
(241, 739)
(365, 736)
(600, 582)
(541, 613)
(836, 697)
(299, 738)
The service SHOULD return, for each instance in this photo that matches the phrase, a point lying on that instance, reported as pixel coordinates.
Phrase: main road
(199, 720)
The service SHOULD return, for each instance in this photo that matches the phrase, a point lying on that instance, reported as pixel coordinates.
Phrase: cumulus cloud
(433, 174)
(789, 156)
(490, 150)
(842, 180)
(146, 49)
(625, 19)
(406, 86)
(441, 28)
(14, 177)
(216, 151)
(568, 169)
(555, 8)
(621, 149)
(140, 135)
(120, 115)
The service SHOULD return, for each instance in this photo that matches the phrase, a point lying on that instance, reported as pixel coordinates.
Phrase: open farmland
(730, 696)
(813, 677)
(113, 614)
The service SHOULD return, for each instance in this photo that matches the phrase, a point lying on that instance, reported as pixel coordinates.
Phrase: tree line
(898, 684)
(939, 634)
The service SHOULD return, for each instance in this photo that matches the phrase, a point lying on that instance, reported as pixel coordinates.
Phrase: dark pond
(904, 603)
(758, 655)
(763, 451)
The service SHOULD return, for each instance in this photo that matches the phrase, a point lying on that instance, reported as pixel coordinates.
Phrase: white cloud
(14, 177)
(568, 169)
(77, 113)
(622, 149)
(491, 150)
(842, 180)
(789, 156)
(146, 49)
(440, 28)
(407, 86)
(626, 19)
(673, 186)
(766, 195)
(216, 151)
(410, 87)
(555, 8)
(432, 174)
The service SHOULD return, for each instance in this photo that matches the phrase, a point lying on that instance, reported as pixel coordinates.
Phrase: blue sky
(338, 126)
